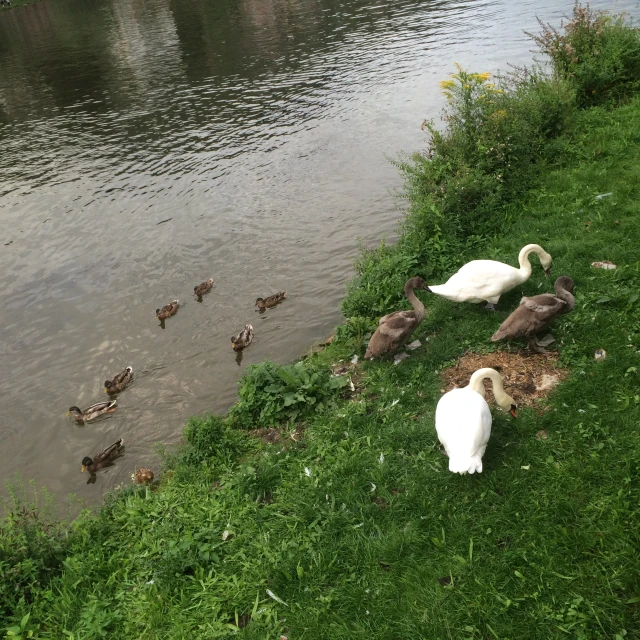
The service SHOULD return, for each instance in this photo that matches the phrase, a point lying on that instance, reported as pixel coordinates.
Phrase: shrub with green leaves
(598, 53)
(271, 394)
(32, 550)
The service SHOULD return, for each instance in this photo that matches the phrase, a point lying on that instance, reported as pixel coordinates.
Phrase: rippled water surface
(146, 145)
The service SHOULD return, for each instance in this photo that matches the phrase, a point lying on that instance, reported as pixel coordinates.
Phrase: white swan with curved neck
(487, 280)
(463, 421)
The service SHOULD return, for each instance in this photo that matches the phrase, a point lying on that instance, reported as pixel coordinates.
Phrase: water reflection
(150, 145)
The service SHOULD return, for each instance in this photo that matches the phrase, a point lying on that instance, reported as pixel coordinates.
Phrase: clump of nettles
(597, 52)
(272, 394)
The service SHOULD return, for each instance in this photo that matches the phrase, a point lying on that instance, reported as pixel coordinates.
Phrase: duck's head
(107, 386)
(259, 302)
(86, 462)
(157, 311)
(75, 410)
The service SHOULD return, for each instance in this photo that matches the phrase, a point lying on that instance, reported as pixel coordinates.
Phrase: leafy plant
(271, 393)
(211, 440)
(32, 550)
(598, 53)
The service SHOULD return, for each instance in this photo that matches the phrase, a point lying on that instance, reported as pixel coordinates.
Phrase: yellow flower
(484, 76)
(447, 85)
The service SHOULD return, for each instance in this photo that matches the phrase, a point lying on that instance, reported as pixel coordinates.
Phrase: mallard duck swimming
(104, 458)
(535, 314)
(243, 339)
(396, 328)
(270, 301)
(203, 287)
(143, 476)
(167, 311)
(119, 382)
(487, 280)
(93, 411)
(463, 420)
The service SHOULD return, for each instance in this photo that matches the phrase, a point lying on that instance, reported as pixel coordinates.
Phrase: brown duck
(535, 314)
(95, 410)
(104, 458)
(396, 328)
(203, 287)
(143, 475)
(243, 339)
(270, 301)
(120, 382)
(167, 311)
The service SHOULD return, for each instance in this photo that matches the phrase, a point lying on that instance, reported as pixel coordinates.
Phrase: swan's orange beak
(512, 411)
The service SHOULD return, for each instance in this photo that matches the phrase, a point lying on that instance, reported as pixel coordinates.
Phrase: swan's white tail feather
(465, 464)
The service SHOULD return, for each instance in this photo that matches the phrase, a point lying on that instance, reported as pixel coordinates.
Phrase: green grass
(357, 526)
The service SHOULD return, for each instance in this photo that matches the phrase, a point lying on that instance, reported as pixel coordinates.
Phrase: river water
(146, 145)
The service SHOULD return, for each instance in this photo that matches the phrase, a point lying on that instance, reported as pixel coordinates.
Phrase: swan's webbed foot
(538, 346)
(546, 341)
(492, 306)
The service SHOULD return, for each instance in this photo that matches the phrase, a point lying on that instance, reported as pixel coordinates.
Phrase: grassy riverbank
(342, 521)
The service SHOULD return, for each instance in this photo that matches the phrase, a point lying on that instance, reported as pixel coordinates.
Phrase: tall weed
(597, 53)
(32, 549)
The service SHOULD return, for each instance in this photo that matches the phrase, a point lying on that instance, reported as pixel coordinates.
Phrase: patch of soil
(528, 377)
(267, 435)
(353, 374)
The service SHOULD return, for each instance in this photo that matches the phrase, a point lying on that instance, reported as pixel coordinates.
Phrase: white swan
(487, 280)
(463, 421)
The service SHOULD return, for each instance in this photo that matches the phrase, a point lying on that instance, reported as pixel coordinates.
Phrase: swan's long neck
(501, 397)
(523, 258)
(418, 307)
(565, 295)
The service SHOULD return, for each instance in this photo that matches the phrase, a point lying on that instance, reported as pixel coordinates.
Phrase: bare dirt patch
(267, 435)
(352, 371)
(528, 377)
